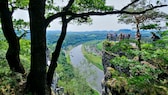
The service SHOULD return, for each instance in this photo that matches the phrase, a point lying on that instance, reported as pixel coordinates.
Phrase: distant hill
(75, 38)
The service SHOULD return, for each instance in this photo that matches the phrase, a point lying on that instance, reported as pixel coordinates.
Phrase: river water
(92, 74)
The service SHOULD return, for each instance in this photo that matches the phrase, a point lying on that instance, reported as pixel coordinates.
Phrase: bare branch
(75, 15)
(51, 18)
(113, 12)
(129, 5)
(22, 35)
(66, 8)
(68, 5)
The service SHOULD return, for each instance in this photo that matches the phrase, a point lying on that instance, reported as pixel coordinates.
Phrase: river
(92, 74)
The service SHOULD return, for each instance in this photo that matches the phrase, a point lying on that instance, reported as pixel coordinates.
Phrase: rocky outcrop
(106, 57)
(111, 85)
(123, 81)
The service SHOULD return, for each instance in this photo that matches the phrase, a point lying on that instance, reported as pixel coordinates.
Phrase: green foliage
(2, 38)
(51, 8)
(126, 18)
(99, 46)
(82, 6)
(9, 81)
(107, 45)
(22, 3)
(91, 57)
(79, 6)
(90, 5)
(123, 61)
(18, 4)
(164, 34)
(145, 74)
(20, 24)
(71, 80)
(116, 47)
(166, 23)
(123, 46)
(25, 53)
(150, 26)
(147, 46)
(149, 20)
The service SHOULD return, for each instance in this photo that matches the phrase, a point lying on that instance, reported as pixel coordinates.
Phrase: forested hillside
(14, 83)
(76, 38)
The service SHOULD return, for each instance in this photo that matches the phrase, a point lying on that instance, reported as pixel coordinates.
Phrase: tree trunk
(36, 81)
(138, 36)
(56, 53)
(12, 54)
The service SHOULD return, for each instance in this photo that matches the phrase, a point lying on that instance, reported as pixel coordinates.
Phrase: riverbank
(95, 59)
(95, 75)
(92, 51)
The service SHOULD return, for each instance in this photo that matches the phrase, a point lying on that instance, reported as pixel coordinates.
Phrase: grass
(100, 45)
(94, 59)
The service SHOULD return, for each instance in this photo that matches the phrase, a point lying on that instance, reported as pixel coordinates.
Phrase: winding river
(92, 74)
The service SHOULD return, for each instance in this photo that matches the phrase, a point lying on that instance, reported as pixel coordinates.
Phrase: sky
(99, 23)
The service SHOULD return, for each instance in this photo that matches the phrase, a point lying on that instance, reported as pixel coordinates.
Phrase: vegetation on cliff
(131, 76)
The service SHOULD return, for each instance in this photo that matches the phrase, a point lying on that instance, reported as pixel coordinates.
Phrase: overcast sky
(99, 22)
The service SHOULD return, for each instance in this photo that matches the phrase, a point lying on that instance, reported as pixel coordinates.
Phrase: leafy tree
(77, 10)
(139, 20)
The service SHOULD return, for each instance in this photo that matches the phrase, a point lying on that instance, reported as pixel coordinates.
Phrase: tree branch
(129, 5)
(75, 15)
(22, 35)
(56, 52)
(68, 5)
(51, 18)
(13, 7)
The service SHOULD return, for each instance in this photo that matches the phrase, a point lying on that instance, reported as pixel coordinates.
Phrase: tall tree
(139, 20)
(12, 54)
(36, 82)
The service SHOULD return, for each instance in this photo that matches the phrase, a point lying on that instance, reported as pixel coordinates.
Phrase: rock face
(106, 57)
(111, 85)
